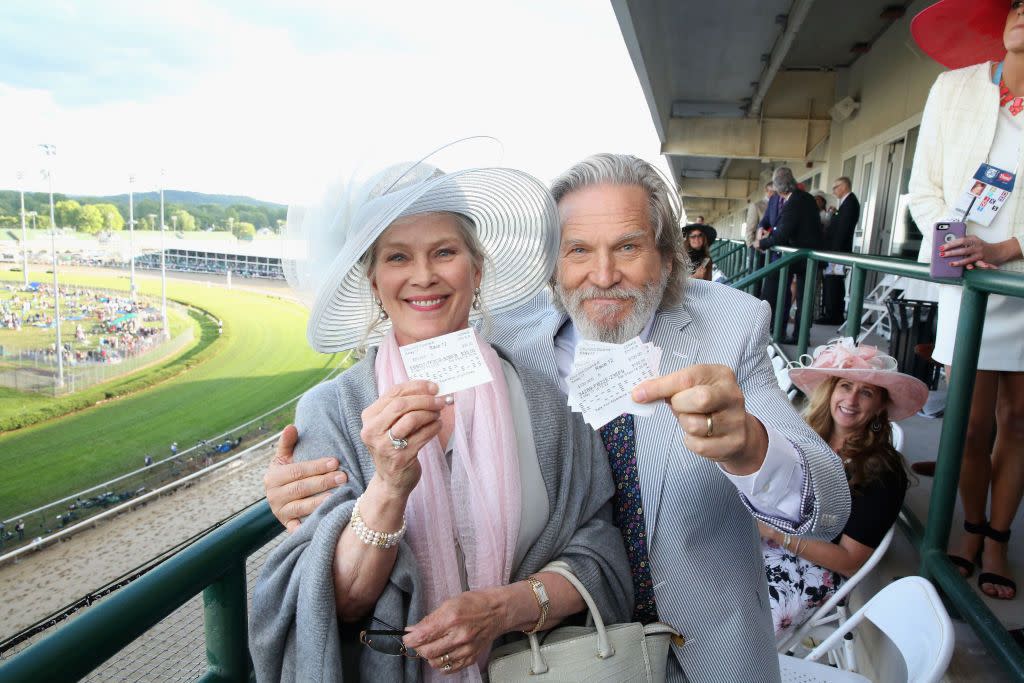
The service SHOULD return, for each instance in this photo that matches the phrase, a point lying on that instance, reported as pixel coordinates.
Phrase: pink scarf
(476, 502)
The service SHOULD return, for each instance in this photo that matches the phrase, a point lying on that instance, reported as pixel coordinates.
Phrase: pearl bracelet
(378, 539)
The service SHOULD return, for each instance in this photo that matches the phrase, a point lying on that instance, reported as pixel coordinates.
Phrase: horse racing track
(257, 360)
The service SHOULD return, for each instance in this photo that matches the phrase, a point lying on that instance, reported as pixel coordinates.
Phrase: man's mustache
(584, 293)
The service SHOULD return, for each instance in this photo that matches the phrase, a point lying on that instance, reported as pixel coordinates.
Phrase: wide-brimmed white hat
(865, 364)
(516, 222)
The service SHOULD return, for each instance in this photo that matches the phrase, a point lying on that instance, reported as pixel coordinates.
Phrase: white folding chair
(910, 614)
(897, 436)
(834, 611)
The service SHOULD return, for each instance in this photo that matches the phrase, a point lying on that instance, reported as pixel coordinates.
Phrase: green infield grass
(260, 361)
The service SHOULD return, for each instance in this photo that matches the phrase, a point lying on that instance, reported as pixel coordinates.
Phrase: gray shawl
(294, 631)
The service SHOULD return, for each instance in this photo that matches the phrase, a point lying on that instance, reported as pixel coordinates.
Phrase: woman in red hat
(975, 116)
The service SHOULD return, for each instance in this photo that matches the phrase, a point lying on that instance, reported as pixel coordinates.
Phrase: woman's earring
(476, 299)
(876, 425)
(383, 314)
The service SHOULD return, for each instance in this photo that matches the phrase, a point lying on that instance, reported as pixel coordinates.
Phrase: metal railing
(215, 565)
(931, 538)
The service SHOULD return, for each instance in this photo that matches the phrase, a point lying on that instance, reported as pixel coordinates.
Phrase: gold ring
(445, 658)
(711, 427)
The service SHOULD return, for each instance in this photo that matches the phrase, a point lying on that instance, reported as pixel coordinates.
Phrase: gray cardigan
(294, 632)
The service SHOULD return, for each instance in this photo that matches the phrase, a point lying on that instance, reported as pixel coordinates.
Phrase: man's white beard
(645, 301)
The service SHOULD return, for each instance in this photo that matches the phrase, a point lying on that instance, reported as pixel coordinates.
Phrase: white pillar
(131, 235)
(51, 150)
(163, 262)
(24, 233)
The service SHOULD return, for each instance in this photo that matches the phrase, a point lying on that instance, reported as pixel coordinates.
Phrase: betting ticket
(452, 361)
(603, 378)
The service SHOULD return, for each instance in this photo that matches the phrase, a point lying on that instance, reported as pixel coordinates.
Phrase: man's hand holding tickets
(710, 409)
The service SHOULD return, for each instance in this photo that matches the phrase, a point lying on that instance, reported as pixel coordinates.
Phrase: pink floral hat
(865, 364)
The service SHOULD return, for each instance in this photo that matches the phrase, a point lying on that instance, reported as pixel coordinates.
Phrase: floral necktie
(628, 513)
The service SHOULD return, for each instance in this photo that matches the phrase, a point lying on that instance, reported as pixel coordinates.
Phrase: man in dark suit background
(839, 237)
(798, 226)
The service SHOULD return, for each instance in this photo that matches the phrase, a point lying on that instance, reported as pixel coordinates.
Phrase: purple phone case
(943, 232)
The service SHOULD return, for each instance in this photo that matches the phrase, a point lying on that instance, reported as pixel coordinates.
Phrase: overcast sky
(270, 97)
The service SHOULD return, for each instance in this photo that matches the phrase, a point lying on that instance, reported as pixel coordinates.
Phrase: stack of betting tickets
(603, 377)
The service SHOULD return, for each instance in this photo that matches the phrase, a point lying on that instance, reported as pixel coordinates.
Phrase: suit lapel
(659, 437)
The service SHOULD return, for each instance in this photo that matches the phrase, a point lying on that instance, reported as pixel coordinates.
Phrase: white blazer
(957, 130)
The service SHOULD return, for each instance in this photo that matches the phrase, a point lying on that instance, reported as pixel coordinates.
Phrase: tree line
(93, 217)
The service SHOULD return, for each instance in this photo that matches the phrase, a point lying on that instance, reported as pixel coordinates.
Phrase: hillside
(9, 198)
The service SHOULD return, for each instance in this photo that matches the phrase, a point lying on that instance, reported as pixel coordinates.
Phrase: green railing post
(780, 301)
(856, 309)
(807, 305)
(227, 638)
(954, 423)
(759, 262)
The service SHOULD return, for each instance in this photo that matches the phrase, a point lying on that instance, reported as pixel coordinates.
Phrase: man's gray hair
(784, 180)
(625, 169)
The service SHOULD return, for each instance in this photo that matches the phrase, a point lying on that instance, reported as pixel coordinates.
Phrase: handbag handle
(604, 648)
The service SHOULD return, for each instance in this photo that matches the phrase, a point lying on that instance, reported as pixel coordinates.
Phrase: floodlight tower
(163, 261)
(51, 151)
(24, 233)
(131, 232)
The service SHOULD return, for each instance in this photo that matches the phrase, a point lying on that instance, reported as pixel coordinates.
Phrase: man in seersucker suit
(723, 424)
(723, 447)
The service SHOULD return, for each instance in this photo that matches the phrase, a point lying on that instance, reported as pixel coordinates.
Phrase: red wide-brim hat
(959, 33)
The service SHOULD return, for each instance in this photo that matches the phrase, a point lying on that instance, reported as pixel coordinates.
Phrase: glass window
(907, 237)
(864, 193)
(850, 169)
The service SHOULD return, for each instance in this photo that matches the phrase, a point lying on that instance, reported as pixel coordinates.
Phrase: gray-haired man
(799, 225)
(722, 424)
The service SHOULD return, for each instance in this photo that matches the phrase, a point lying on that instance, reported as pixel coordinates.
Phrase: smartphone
(943, 234)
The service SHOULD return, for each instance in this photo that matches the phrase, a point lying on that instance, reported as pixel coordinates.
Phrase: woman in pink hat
(975, 116)
(854, 393)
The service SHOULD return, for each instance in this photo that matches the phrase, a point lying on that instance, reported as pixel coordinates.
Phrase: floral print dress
(796, 587)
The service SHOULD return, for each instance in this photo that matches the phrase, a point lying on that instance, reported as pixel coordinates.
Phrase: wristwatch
(541, 594)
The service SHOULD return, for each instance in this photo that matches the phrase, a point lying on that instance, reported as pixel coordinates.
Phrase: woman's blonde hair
(867, 455)
(477, 255)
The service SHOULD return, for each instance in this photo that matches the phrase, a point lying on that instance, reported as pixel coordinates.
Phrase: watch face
(542, 592)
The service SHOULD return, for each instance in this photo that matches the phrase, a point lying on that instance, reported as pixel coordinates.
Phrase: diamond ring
(399, 444)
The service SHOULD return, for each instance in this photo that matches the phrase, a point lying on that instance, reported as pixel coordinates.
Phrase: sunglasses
(387, 642)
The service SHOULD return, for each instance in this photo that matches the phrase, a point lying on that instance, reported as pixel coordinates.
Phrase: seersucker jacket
(957, 130)
(706, 564)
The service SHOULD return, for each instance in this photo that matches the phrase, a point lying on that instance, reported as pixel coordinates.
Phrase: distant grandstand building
(196, 261)
(199, 252)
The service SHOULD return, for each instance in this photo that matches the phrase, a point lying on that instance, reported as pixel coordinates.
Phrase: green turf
(261, 361)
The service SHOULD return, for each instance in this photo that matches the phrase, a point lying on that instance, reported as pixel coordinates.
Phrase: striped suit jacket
(704, 547)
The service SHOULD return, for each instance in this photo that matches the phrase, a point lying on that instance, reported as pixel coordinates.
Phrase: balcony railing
(932, 538)
(215, 565)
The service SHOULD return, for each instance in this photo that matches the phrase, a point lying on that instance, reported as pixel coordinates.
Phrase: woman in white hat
(434, 546)
(854, 392)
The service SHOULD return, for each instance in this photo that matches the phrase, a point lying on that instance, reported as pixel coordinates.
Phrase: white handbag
(619, 653)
